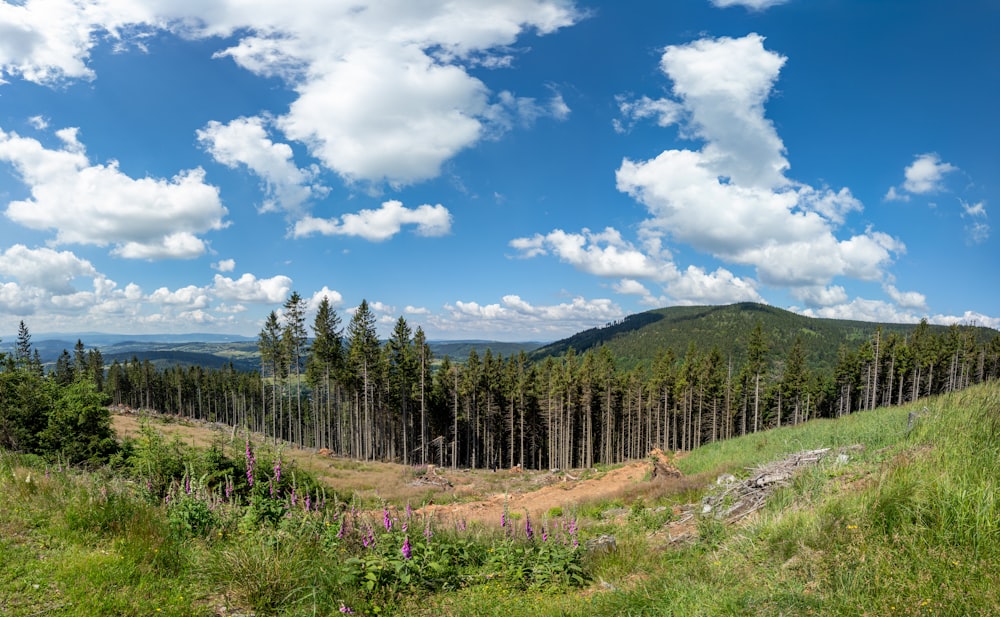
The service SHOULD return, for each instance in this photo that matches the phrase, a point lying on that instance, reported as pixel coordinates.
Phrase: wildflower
(277, 469)
(308, 503)
(251, 462)
(545, 533)
(386, 519)
(528, 531)
(427, 530)
(340, 532)
(407, 550)
(409, 511)
(347, 610)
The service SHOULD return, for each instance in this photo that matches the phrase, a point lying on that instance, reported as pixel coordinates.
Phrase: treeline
(65, 421)
(341, 388)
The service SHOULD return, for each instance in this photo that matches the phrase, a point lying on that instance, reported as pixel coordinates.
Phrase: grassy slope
(909, 526)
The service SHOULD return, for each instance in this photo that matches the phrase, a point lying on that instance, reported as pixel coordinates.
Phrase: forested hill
(638, 338)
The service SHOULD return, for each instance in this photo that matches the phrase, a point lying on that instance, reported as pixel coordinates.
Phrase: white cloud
(695, 286)
(907, 299)
(248, 288)
(45, 41)
(44, 268)
(630, 287)
(731, 198)
(974, 210)
(893, 195)
(38, 122)
(926, 174)
(602, 254)
(515, 318)
(861, 309)
(969, 318)
(244, 141)
(332, 296)
(357, 67)
(225, 265)
(148, 218)
(978, 231)
(818, 296)
(384, 88)
(190, 297)
(753, 5)
(665, 111)
(381, 224)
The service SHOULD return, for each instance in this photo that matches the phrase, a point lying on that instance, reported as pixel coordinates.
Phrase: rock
(601, 544)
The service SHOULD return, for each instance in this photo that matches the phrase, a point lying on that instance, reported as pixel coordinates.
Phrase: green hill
(637, 339)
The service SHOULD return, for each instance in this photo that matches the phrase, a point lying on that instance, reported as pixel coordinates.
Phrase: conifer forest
(327, 384)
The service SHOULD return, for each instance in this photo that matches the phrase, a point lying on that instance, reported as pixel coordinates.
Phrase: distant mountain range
(213, 351)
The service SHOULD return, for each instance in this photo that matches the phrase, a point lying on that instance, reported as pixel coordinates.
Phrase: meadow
(901, 518)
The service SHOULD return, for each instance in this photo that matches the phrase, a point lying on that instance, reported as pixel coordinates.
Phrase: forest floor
(444, 493)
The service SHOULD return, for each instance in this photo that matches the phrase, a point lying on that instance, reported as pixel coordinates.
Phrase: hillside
(886, 512)
(638, 338)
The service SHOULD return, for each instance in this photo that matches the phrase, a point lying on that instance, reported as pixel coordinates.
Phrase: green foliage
(25, 404)
(190, 516)
(79, 426)
(637, 339)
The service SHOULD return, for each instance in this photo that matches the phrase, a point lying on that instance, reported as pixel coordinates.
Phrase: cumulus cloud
(926, 174)
(44, 268)
(732, 198)
(601, 254)
(49, 41)
(225, 265)
(514, 317)
(381, 224)
(248, 288)
(907, 299)
(245, 142)
(145, 218)
(190, 297)
(356, 68)
(333, 297)
(695, 286)
(861, 309)
(384, 89)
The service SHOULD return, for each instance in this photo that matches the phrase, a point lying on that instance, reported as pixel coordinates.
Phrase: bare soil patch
(444, 493)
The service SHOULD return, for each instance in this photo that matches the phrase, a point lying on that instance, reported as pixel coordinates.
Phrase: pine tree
(325, 363)
(294, 338)
(364, 360)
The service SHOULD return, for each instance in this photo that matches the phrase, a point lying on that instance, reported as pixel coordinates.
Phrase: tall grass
(909, 525)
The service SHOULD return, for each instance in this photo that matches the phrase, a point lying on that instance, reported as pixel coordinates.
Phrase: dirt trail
(461, 494)
(563, 492)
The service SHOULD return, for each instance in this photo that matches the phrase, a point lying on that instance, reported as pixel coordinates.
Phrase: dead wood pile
(431, 478)
(736, 499)
(663, 466)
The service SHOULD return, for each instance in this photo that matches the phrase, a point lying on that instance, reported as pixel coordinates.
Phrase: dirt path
(556, 491)
(459, 494)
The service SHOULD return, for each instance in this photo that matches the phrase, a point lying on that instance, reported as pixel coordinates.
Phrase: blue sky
(495, 169)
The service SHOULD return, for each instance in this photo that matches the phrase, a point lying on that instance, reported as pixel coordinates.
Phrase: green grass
(909, 525)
